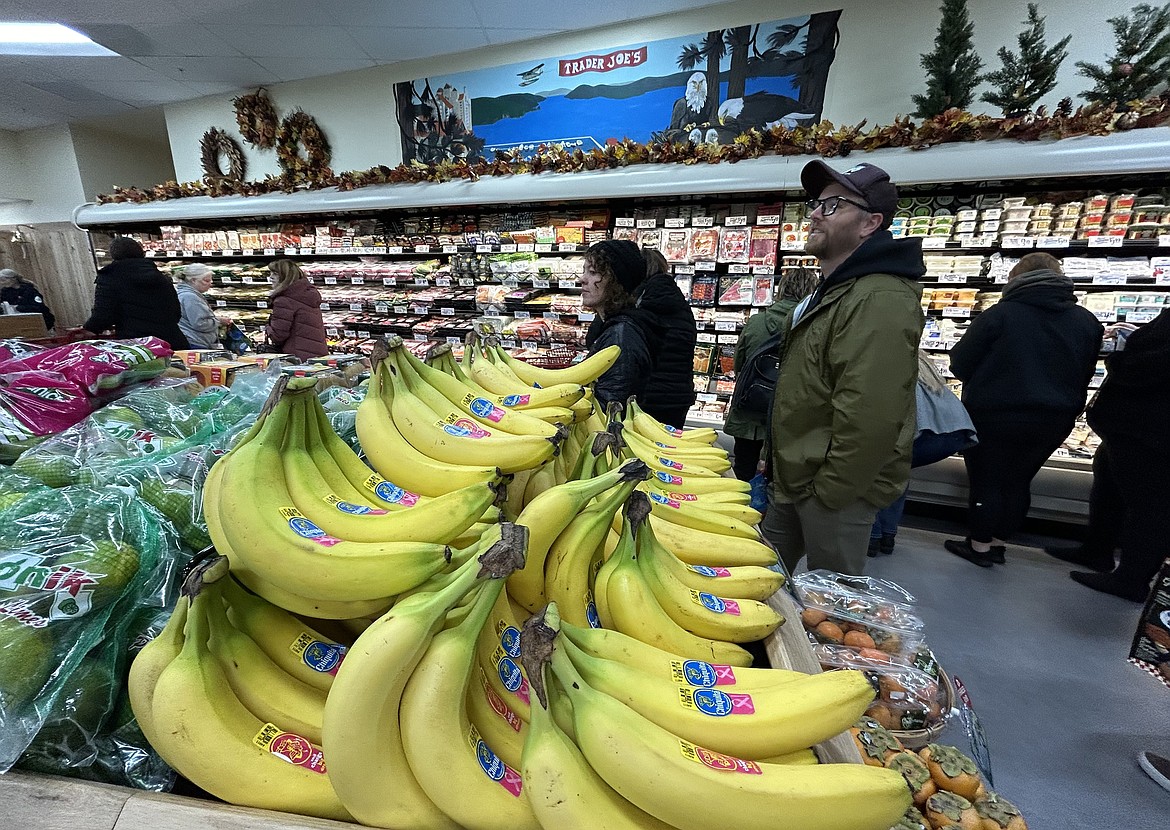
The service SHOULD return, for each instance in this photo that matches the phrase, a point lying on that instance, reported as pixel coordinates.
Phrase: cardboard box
(304, 370)
(189, 357)
(221, 372)
(22, 325)
(336, 360)
(267, 359)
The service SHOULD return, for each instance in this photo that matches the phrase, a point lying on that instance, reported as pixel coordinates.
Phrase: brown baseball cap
(869, 182)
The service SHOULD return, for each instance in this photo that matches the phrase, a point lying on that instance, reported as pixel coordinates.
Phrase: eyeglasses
(830, 204)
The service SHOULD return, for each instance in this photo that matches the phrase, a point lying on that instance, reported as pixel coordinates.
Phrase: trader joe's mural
(703, 88)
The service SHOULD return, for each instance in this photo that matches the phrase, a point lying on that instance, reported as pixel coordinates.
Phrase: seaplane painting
(531, 76)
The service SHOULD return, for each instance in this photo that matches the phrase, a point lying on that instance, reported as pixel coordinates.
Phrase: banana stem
(536, 647)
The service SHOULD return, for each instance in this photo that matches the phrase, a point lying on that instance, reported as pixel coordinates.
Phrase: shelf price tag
(507, 247)
(707, 397)
(422, 249)
(1018, 242)
(227, 280)
(569, 247)
(151, 254)
(483, 249)
(247, 280)
(684, 269)
(566, 284)
(1106, 241)
(1109, 316)
(305, 251)
(531, 345)
(1053, 241)
(522, 315)
(450, 249)
(763, 270)
(248, 252)
(1163, 240)
(381, 308)
(364, 334)
(540, 283)
(704, 266)
(357, 280)
(290, 251)
(419, 309)
(933, 243)
(956, 311)
(420, 282)
(1140, 316)
(443, 282)
(349, 333)
(327, 280)
(221, 303)
(543, 247)
(269, 252)
(324, 306)
(724, 325)
(172, 254)
(447, 312)
(526, 247)
(356, 306)
(190, 253)
(466, 282)
(624, 222)
(418, 335)
(401, 309)
(702, 221)
(955, 279)
(586, 316)
(739, 268)
(735, 221)
(551, 315)
(705, 337)
(393, 249)
(675, 222)
(332, 333)
(768, 219)
(791, 244)
(261, 304)
(454, 341)
(389, 281)
(980, 242)
(1108, 279)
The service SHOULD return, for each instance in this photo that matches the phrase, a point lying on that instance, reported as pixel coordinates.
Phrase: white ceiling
(177, 50)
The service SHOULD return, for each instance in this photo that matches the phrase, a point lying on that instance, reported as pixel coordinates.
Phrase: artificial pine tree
(952, 69)
(1142, 61)
(1025, 79)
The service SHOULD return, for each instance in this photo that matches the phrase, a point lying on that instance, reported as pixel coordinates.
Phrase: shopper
(295, 325)
(614, 269)
(1025, 364)
(843, 414)
(1131, 413)
(132, 298)
(944, 428)
(749, 427)
(669, 392)
(23, 296)
(199, 323)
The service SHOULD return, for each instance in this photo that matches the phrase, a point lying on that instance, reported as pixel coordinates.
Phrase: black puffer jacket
(629, 374)
(27, 299)
(670, 326)
(1134, 401)
(1029, 358)
(134, 299)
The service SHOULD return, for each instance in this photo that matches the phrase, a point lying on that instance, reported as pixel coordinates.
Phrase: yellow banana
(668, 465)
(587, 371)
(775, 720)
(713, 521)
(265, 689)
(452, 763)
(396, 458)
(550, 513)
(653, 429)
(209, 737)
(671, 482)
(712, 457)
(532, 401)
(701, 547)
(501, 727)
(626, 602)
(740, 582)
(148, 665)
(497, 651)
(692, 788)
(802, 758)
(523, 396)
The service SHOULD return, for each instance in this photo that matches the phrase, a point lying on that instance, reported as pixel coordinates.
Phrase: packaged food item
(861, 613)
(704, 244)
(704, 359)
(907, 698)
(733, 245)
(762, 292)
(703, 289)
(675, 244)
(736, 290)
(650, 238)
(763, 245)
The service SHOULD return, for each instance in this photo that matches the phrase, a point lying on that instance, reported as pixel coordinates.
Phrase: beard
(816, 245)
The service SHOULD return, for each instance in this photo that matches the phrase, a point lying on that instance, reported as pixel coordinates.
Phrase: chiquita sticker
(718, 605)
(717, 760)
(714, 573)
(393, 494)
(515, 400)
(304, 528)
(353, 509)
(674, 465)
(465, 428)
(290, 747)
(661, 499)
(684, 496)
(493, 767)
(483, 408)
(675, 431)
(715, 703)
(318, 656)
(701, 674)
(667, 478)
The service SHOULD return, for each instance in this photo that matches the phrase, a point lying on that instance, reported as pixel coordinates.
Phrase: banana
(713, 458)
(452, 763)
(497, 650)
(396, 458)
(661, 463)
(208, 736)
(670, 482)
(502, 729)
(532, 401)
(693, 788)
(701, 547)
(698, 518)
(802, 757)
(362, 726)
(450, 437)
(608, 644)
(263, 687)
(626, 602)
(569, 568)
(775, 720)
(547, 516)
(149, 663)
(440, 519)
(718, 500)
(441, 392)
(256, 520)
(653, 429)
(521, 395)
(539, 482)
(587, 371)
(564, 791)
(741, 582)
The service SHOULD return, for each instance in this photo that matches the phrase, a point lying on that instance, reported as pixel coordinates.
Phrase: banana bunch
(601, 762)
(227, 716)
(406, 736)
(298, 516)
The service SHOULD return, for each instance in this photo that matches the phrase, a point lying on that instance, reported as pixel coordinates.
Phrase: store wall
(50, 177)
(131, 150)
(12, 184)
(875, 72)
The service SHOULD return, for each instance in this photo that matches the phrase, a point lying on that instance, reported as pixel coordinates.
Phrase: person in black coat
(669, 392)
(614, 270)
(1025, 364)
(132, 298)
(23, 296)
(1130, 413)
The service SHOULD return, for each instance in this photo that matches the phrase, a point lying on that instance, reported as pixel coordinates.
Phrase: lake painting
(703, 88)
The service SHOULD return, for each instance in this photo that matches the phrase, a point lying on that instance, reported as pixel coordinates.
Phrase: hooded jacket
(627, 376)
(843, 416)
(134, 299)
(1134, 401)
(198, 322)
(670, 327)
(758, 328)
(1029, 358)
(295, 325)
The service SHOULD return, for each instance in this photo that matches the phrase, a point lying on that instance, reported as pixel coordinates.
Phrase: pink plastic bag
(97, 365)
(39, 403)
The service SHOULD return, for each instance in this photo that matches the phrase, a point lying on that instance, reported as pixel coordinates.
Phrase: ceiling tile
(100, 69)
(76, 11)
(72, 91)
(143, 93)
(400, 44)
(509, 34)
(352, 13)
(294, 69)
(281, 41)
(201, 89)
(182, 40)
(238, 71)
(17, 121)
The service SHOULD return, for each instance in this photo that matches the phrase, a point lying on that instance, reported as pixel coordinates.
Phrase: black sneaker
(873, 549)
(1157, 767)
(998, 554)
(886, 544)
(1112, 584)
(1080, 555)
(962, 548)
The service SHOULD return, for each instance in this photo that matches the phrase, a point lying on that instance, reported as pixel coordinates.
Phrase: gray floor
(1044, 660)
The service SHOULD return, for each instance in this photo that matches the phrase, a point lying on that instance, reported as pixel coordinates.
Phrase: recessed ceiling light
(25, 38)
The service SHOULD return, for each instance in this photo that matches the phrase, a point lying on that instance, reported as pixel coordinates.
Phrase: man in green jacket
(747, 427)
(843, 414)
